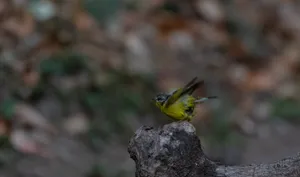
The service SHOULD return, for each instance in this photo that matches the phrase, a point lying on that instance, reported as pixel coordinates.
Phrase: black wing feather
(192, 86)
(189, 88)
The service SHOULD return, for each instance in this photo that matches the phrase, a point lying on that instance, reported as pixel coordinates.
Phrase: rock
(175, 151)
(176, 145)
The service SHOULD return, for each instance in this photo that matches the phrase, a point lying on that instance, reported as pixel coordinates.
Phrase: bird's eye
(161, 99)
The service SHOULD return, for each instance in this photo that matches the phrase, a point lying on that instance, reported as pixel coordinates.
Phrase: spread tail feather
(201, 100)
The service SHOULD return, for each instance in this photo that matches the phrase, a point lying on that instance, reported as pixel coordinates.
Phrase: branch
(175, 151)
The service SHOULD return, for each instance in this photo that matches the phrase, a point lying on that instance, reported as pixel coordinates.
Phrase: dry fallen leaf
(181, 41)
(22, 143)
(83, 21)
(238, 74)
(31, 78)
(21, 28)
(4, 127)
(26, 114)
(211, 9)
(139, 57)
(286, 89)
(166, 24)
(261, 80)
(76, 124)
(30, 142)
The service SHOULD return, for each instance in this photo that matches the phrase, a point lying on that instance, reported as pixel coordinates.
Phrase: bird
(180, 104)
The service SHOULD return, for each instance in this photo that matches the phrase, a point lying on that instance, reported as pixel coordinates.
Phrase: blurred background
(77, 77)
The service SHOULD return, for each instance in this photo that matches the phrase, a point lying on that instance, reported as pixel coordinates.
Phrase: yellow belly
(177, 109)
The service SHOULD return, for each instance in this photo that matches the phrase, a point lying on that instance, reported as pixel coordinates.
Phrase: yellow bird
(180, 104)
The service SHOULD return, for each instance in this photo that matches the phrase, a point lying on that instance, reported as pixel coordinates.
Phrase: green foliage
(41, 10)
(221, 132)
(7, 108)
(171, 7)
(132, 5)
(96, 171)
(107, 104)
(65, 63)
(102, 10)
(38, 91)
(122, 96)
(7, 152)
(4, 142)
(123, 173)
(99, 171)
(54, 66)
(59, 65)
(92, 100)
(288, 109)
(220, 126)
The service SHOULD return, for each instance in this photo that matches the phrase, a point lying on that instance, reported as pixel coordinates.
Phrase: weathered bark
(175, 151)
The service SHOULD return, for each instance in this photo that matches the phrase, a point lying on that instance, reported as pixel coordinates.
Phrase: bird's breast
(176, 110)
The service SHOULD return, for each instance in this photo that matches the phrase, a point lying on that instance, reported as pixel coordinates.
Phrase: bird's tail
(201, 100)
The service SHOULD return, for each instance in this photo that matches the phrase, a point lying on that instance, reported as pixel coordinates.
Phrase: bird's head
(160, 99)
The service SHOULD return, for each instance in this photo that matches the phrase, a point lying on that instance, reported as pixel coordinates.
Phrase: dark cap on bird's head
(161, 97)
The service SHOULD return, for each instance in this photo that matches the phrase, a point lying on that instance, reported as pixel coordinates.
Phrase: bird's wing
(189, 88)
(191, 82)
(173, 97)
